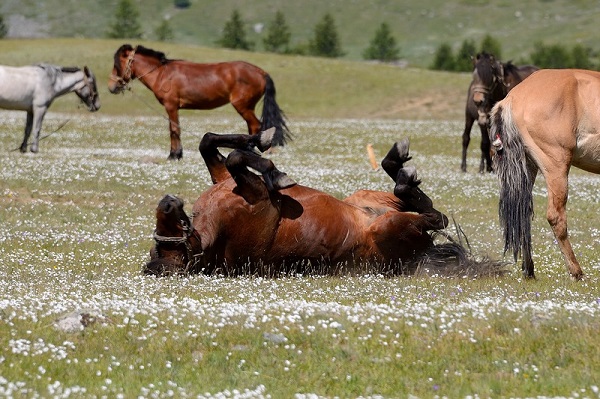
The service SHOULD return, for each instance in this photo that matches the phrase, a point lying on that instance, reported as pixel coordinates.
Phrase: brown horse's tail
(272, 115)
(516, 181)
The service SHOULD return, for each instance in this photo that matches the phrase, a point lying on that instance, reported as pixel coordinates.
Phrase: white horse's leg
(38, 116)
(28, 124)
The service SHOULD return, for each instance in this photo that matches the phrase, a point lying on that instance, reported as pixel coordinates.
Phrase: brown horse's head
(177, 248)
(121, 73)
(488, 84)
(413, 198)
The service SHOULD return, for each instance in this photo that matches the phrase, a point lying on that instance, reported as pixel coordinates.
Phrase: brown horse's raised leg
(176, 152)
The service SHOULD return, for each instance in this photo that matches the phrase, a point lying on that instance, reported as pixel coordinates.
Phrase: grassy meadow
(77, 221)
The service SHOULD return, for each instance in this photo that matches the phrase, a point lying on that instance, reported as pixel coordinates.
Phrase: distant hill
(419, 26)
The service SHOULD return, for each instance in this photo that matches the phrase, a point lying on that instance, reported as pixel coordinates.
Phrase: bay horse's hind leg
(176, 152)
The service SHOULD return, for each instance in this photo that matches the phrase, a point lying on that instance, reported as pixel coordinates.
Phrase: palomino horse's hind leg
(556, 213)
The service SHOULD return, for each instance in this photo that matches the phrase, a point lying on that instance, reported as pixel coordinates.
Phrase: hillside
(306, 86)
(418, 26)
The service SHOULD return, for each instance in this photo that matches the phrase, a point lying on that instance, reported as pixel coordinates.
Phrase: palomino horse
(179, 84)
(547, 123)
(492, 80)
(245, 224)
(33, 88)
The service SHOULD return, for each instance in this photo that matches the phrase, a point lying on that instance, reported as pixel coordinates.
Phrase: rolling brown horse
(267, 224)
(492, 80)
(179, 84)
(548, 123)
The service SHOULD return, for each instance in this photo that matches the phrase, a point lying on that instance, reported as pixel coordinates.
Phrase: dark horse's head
(177, 246)
(488, 84)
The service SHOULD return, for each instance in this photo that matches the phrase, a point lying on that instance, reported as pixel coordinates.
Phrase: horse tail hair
(453, 258)
(272, 115)
(515, 207)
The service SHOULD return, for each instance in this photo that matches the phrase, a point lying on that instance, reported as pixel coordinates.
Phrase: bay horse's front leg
(176, 152)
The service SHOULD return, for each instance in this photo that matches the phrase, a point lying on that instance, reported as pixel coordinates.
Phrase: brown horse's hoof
(276, 180)
(263, 140)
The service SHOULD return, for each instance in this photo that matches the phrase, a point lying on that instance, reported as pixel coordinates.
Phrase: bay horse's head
(121, 73)
(88, 93)
(488, 84)
(177, 249)
(123, 68)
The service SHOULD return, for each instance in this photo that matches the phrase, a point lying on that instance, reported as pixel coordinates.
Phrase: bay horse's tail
(516, 182)
(272, 115)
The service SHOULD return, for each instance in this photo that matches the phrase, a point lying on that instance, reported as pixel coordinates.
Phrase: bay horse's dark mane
(159, 55)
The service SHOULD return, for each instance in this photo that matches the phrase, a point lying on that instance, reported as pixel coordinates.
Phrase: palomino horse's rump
(548, 123)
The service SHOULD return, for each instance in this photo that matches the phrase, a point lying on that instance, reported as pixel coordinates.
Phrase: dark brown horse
(179, 84)
(548, 123)
(492, 80)
(269, 225)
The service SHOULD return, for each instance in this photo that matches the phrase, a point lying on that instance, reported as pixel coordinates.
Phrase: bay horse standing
(34, 88)
(180, 84)
(267, 224)
(548, 123)
(492, 80)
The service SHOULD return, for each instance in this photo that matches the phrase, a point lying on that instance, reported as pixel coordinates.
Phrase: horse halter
(189, 231)
(126, 78)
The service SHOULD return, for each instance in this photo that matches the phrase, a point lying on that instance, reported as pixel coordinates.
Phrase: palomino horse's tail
(273, 116)
(516, 183)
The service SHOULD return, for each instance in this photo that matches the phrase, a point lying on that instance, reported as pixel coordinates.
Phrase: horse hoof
(276, 180)
(264, 139)
(402, 147)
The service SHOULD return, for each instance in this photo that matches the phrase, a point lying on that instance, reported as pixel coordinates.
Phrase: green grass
(77, 222)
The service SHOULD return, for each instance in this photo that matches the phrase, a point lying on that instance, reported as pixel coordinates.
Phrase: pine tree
(383, 46)
(126, 22)
(234, 35)
(443, 61)
(278, 35)
(164, 32)
(464, 58)
(3, 27)
(491, 46)
(326, 42)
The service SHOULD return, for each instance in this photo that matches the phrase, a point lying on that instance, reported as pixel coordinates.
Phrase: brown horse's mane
(159, 55)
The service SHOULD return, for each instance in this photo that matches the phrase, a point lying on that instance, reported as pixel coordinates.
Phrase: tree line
(325, 42)
(543, 55)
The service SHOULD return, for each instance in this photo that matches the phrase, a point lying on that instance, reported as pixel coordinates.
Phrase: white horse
(33, 88)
